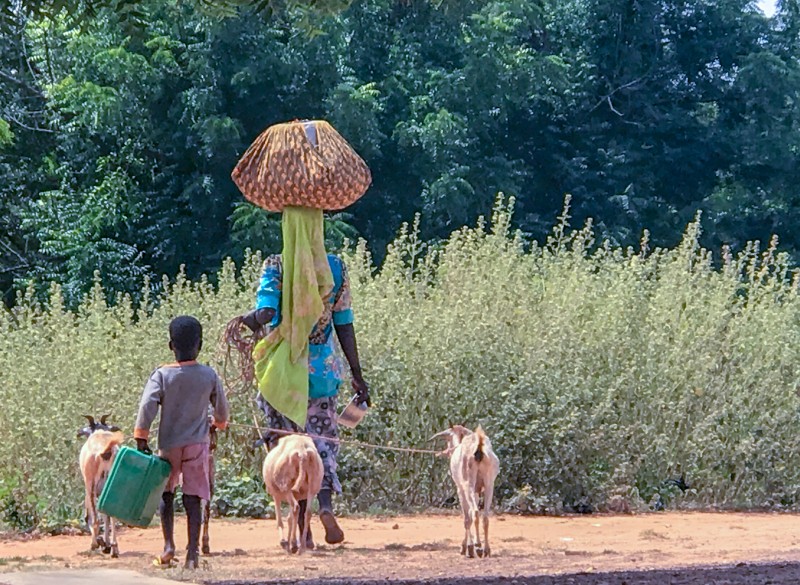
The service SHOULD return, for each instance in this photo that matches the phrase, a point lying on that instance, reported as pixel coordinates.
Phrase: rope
(235, 351)
(344, 441)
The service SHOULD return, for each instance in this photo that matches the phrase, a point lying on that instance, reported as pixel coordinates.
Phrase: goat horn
(441, 434)
(90, 419)
(103, 419)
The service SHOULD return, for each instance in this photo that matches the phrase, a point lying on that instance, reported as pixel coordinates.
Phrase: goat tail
(479, 454)
(302, 472)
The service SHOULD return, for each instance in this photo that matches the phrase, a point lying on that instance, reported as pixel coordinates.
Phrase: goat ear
(446, 433)
(103, 419)
(460, 431)
(90, 419)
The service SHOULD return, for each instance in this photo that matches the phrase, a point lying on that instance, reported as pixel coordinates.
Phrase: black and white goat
(212, 446)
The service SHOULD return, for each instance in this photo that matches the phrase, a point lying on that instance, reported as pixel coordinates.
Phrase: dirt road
(675, 548)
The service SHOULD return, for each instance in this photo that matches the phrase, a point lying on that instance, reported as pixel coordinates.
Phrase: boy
(183, 391)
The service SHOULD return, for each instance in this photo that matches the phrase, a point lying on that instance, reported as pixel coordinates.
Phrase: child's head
(185, 337)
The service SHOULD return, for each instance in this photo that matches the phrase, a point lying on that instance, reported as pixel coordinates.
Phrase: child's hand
(141, 445)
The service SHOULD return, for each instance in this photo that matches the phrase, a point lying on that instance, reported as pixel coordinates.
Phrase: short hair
(185, 332)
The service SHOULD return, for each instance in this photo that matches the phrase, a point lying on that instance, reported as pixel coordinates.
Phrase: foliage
(240, 495)
(125, 128)
(599, 372)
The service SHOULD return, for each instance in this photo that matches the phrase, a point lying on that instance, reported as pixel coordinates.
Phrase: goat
(293, 472)
(212, 446)
(96, 458)
(474, 468)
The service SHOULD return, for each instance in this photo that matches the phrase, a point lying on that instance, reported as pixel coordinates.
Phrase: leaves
(598, 372)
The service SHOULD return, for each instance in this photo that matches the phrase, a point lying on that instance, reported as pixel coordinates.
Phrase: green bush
(599, 373)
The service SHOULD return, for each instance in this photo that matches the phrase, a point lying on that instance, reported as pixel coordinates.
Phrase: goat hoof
(106, 550)
(479, 552)
(463, 549)
(206, 549)
(293, 549)
(487, 552)
(115, 552)
(471, 551)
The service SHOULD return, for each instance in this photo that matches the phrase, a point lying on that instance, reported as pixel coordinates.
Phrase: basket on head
(304, 164)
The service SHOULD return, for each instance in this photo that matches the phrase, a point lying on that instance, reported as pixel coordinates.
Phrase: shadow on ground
(741, 574)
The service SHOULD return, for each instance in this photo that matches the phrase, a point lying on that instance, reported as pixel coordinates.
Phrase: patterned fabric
(303, 164)
(281, 358)
(325, 368)
(322, 421)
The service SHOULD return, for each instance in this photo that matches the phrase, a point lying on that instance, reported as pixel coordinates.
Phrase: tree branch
(608, 96)
(31, 128)
(14, 268)
(21, 82)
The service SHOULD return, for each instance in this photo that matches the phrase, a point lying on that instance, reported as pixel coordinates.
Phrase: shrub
(599, 373)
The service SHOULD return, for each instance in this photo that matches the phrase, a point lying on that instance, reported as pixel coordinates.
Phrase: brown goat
(293, 472)
(96, 458)
(474, 468)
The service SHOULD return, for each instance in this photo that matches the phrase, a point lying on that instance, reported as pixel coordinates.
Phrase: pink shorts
(191, 464)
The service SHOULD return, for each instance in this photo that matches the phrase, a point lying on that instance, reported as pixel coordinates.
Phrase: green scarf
(281, 358)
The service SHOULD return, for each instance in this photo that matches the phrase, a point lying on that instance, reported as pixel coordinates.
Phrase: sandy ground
(669, 548)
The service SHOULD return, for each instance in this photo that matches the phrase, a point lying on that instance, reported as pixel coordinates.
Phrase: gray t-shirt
(184, 392)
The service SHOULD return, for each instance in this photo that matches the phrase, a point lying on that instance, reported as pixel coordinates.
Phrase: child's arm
(220, 403)
(148, 409)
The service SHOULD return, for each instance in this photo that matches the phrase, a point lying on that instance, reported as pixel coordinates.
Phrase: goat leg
(93, 520)
(293, 515)
(206, 548)
(110, 533)
(488, 493)
(106, 534)
(467, 547)
(476, 512)
(283, 542)
(305, 524)
(207, 507)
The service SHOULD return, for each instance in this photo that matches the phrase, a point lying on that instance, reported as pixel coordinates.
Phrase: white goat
(293, 472)
(96, 458)
(474, 468)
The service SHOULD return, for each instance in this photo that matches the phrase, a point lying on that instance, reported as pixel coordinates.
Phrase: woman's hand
(361, 390)
(254, 320)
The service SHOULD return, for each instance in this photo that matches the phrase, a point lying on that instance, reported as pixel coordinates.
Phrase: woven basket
(306, 164)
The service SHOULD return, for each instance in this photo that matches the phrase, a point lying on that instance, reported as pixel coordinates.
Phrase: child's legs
(190, 468)
(194, 470)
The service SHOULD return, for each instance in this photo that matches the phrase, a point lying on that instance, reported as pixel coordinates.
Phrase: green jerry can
(133, 489)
